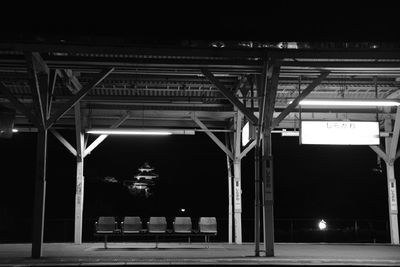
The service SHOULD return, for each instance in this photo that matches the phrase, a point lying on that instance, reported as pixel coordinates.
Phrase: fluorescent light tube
(346, 102)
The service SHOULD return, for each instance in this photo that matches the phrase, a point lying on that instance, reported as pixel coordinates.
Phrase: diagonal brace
(212, 136)
(67, 106)
(247, 149)
(395, 137)
(64, 142)
(300, 97)
(225, 92)
(380, 153)
(102, 137)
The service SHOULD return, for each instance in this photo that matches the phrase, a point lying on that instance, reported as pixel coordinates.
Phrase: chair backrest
(157, 224)
(208, 225)
(106, 224)
(183, 225)
(132, 224)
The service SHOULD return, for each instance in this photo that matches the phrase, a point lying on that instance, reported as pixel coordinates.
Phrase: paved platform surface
(94, 254)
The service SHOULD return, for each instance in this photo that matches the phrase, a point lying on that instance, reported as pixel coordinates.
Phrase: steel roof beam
(300, 97)
(76, 98)
(206, 52)
(250, 116)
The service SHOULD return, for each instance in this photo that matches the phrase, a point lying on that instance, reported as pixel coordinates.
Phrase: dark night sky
(310, 181)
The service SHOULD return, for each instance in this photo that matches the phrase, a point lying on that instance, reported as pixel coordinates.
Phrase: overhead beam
(17, 104)
(225, 92)
(76, 98)
(300, 97)
(102, 137)
(64, 141)
(212, 136)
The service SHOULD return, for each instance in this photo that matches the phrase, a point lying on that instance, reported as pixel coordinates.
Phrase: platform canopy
(161, 86)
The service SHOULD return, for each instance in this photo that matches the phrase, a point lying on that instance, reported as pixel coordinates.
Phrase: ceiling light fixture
(139, 131)
(349, 102)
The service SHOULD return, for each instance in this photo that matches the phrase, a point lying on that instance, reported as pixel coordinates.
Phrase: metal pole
(391, 183)
(267, 163)
(237, 180)
(40, 194)
(268, 195)
(257, 195)
(257, 203)
(79, 193)
(228, 162)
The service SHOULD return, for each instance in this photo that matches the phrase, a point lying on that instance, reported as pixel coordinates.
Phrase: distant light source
(322, 225)
(348, 102)
(15, 130)
(183, 210)
(139, 131)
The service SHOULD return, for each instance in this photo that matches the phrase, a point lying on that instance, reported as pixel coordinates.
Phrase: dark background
(336, 183)
(311, 182)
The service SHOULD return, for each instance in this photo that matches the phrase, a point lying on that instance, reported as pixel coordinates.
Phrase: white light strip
(333, 102)
(139, 132)
(15, 130)
(128, 132)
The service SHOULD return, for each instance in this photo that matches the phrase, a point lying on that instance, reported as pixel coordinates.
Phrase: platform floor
(94, 254)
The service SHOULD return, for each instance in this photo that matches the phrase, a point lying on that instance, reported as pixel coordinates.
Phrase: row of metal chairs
(133, 224)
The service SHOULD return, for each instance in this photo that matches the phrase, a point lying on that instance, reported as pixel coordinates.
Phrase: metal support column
(268, 194)
(237, 179)
(391, 183)
(257, 195)
(257, 181)
(270, 87)
(40, 194)
(79, 176)
(230, 208)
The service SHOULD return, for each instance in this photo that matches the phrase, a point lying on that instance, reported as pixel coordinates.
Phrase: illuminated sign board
(339, 132)
(248, 133)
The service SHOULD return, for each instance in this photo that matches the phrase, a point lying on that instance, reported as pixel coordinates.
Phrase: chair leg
(105, 241)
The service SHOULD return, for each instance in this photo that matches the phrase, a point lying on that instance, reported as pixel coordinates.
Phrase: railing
(286, 230)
